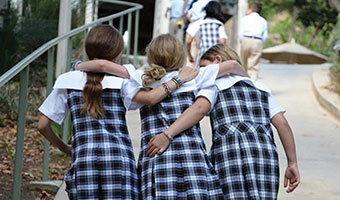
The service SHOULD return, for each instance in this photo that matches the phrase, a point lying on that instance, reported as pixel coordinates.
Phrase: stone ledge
(50, 186)
(329, 100)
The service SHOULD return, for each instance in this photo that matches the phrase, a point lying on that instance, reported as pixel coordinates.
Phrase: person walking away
(176, 26)
(210, 30)
(103, 164)
(253, 34)
(194, 13)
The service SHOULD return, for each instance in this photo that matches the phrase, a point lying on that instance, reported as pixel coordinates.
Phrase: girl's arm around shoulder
(287, 139)
(189, 118)
(231, 67)
(154, 96)
(104, 66)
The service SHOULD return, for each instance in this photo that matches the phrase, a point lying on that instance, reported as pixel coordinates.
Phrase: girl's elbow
(41, 126)
(43, 123)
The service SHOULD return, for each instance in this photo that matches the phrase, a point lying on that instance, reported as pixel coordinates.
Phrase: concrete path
(317, 133)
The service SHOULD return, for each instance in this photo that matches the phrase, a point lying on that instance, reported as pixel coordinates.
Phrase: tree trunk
(292, 27)
(316, 30)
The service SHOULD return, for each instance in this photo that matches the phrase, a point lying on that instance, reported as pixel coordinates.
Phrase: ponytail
(92, 92)
(153, 74)
(102, 42)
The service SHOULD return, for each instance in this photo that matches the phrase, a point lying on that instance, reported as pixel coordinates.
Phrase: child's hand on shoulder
(292, 177)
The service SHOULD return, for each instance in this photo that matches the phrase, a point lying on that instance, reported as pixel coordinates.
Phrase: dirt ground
(32, 163)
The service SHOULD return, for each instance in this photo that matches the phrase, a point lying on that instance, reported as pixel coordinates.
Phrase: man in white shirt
(252, 33)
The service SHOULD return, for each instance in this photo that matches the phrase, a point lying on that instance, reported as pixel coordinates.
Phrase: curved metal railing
(23, 68)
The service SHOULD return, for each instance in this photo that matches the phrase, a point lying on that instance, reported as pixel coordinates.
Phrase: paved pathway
(317, 133)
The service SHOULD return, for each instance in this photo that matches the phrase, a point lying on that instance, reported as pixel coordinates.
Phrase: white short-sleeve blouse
(55, 105)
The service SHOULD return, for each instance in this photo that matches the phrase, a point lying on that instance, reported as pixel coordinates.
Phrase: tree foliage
(317, 13)
(26, 33)
(9, 42)
(311, 24)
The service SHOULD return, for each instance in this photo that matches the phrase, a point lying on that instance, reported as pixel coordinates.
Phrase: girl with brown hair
(103, 164)
(243, 151)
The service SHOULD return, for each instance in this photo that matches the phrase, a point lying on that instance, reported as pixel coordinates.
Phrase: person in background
(195, 13)
(210, 30)
(176, 25)
(252, 33)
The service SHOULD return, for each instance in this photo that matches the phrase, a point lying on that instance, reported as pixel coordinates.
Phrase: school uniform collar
(228, 81)
(210, 20)
(77, 80)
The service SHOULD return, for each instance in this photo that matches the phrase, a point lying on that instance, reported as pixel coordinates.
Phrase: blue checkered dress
(183, 171)
(103, 163)
(243, 151)
(209, 36)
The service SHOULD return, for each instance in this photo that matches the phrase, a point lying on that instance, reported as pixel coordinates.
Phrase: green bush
(335, 58)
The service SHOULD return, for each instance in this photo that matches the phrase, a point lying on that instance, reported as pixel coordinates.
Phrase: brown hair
(164, 53)
(102, 42)
(226, 52)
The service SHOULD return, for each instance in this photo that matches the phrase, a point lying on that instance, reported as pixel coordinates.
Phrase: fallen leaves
(32, 161)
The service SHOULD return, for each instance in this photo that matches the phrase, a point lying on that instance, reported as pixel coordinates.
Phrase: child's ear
(218, 58)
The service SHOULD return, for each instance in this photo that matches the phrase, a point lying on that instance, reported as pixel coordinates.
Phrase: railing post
(66, 128)
(19, 148)
(84, 43)
(135, 45)
(50, 70)
(66, 121)
(129, 38)
(121, 23)
(69, 54)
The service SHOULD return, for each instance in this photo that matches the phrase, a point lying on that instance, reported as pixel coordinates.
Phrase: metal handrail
(23, 68)
(30, 58)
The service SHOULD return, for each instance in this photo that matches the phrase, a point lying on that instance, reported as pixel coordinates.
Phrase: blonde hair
(164, 53)
(226, 52)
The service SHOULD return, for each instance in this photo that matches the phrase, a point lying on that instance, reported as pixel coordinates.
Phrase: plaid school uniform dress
(209, 36)
(103, 164)
(183, 171)
(243, 151)
(210, 31)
